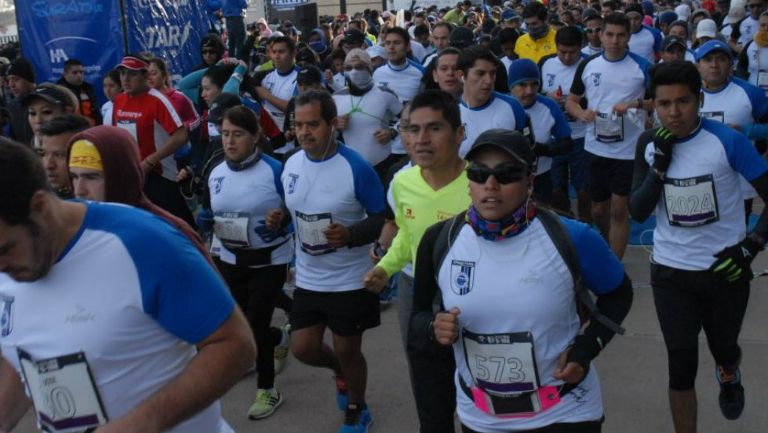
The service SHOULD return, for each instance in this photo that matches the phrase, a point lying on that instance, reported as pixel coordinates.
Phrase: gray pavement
(632, 370)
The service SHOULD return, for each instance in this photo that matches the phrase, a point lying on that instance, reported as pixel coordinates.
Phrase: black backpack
(560, 237)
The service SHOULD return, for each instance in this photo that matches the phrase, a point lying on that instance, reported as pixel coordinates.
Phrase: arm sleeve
(742, 66)
(370, 194)
(420, 335)
(233, 84)
(743, 157)
(759, 103)
(646, 186)
(761, 186)
(190, 84)
(577, 87)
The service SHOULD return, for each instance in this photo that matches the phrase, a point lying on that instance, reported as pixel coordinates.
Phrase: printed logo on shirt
(6, 315)
(80, 316)
(550, 80)
(462, 276)
(217, 181)
(443, 215)
(409, 213)
(595, 77)
(292, 183)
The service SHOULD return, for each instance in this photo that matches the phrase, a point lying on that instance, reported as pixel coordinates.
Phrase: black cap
(22, 68)
(461, 37)
(354, 37)
(221, 104)
(506, 140)
(671, 41)
(50, 94)
(309, 75)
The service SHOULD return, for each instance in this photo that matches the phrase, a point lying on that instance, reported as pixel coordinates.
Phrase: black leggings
(255, 291)
(561, 427)
(685, 302)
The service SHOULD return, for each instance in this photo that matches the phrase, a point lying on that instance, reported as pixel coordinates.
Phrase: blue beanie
(648, 7)
(667, 17)
(522, 70)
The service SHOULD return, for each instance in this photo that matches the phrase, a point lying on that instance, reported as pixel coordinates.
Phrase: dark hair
(427, 80)
(399, 31)
(71, 62)
(65, 123)
(243, 117)
(617, 19)
(283, 40)
(675, 72)
(569, 36)
(219, 74)
(508, 35)
(420, 30)
(535, 9)
(440, 101)
(470, 56)
(682, 23)
(592, 17)
(445, 24)
(114, 75)
(21, 176)
(327, 105)
(161, 65)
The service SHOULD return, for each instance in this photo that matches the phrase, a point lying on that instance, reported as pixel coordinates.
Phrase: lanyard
(356, 109)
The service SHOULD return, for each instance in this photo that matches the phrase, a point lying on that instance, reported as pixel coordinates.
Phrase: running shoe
(385, 298)
(267, 401)
(356, 421)
(341, 393)
(731, 397)
(282, 349)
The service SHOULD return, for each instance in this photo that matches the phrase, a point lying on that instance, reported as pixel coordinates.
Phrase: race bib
(130, 127)
(609, 127)
(310, 231)
(501, 364)
(691, 202)
(762, 79)
(232, 228)
(63, 393)
(718, 116)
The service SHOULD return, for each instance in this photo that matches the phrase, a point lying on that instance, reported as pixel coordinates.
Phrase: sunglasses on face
(595, 30)
(504, 175)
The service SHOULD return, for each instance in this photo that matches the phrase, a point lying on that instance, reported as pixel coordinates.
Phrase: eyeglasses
(594, 30)
(503, 175)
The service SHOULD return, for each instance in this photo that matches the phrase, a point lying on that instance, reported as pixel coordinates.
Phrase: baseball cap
(671, 41)
(706, 28)
(309, 75)
(133, 63)
(712, 46)
(461, 37)
(506, 140)
(509, 15)
(50, 94)
(22, 68)
(221, 104)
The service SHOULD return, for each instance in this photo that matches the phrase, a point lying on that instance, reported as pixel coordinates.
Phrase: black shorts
(345, 313)
(609, 176)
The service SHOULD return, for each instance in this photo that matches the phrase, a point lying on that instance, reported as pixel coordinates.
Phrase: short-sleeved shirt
(501, 111)
(405, 82)
(555, 75)
(280, 85)
(646, 43)
(151, 119)
(134, 295)
(549, 125)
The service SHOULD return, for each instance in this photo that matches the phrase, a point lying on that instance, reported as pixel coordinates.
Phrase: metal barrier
(9, 38)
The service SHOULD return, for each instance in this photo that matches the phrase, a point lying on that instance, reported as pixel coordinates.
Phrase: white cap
(377, 51)
(706, 28)
(683, 11)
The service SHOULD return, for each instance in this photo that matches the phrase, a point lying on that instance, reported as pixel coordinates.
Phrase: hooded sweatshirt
(124, 179)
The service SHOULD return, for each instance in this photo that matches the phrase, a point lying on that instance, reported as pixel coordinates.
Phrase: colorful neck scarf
(510, 226)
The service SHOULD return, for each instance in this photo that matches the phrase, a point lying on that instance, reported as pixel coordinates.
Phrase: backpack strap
(448, 233)
(562, 240)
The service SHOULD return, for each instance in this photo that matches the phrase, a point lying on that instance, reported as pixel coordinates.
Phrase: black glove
(662, 149)
(734, 262)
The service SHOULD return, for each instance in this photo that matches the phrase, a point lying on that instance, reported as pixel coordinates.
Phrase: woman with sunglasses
(522, 361)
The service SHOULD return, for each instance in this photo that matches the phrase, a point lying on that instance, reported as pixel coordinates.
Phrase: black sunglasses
(503, 175)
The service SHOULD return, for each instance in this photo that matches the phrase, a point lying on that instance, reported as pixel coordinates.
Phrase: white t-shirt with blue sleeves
(501, 111)
(135, 296)
(405, 82)
(604, 83)
(341, 189)
(522, 285)
(555, 75)
(245, 197)
(549, 125)
(701, 210)
(646, 43)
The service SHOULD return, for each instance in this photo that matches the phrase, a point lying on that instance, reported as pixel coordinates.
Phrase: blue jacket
(233, 8)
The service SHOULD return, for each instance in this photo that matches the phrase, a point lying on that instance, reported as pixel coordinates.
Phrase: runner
(753, 60)
(644, 41)
(277, 87)
(540, 39)
(74, 80)
(614, 85)
(111, 87)
(166, 374)
(46, 102)
(551, 385)
(336, 202)
(700, 268)
(54, 144)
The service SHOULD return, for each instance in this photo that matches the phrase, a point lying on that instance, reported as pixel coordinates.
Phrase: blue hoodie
(234, 8)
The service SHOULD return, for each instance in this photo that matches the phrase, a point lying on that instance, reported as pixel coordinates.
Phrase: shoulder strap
(448, 233)
(562, 240)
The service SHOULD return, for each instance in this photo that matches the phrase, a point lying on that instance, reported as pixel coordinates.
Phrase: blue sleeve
(758, 99)
(233, 84)
(742, 155)
(561, 129)
(417, 65)
(517, 111)
(190, 84)
(277, 171)
(657, 39)
(368, 189)
(179, 288)
(601, 270)
(252, 104)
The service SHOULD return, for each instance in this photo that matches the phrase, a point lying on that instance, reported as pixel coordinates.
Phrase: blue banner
(54, 31)
(171, 29)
